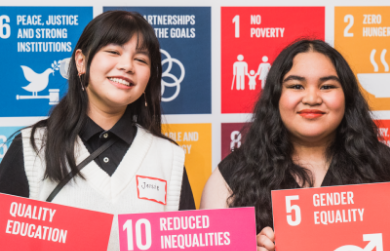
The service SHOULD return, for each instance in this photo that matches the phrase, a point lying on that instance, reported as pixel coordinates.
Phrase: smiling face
(118, 75)
(312, 102)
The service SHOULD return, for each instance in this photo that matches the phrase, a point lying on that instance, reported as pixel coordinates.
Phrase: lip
(311, 113)
(120, 86)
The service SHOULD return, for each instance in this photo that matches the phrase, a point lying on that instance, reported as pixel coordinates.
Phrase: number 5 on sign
(290, 208)
(138, 234)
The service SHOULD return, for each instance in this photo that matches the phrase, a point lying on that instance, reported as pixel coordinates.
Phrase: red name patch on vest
(153, 189)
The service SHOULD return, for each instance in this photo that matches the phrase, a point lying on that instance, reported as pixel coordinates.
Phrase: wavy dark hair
(69, 116)
(263, 162)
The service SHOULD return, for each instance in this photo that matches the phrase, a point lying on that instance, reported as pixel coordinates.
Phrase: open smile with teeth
(121, 81)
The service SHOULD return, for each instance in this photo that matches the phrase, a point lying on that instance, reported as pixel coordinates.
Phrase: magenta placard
(219, 229)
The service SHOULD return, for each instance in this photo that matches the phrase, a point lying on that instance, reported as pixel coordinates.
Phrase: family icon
(240, 71)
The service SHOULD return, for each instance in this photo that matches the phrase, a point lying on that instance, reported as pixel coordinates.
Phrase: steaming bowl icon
(377, 84)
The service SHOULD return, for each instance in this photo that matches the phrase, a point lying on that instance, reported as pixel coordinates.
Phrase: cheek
(288, 103)
(336, 102)
(144, 77)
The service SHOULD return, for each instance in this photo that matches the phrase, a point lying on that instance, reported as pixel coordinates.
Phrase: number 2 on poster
(128, 226)
(295, 208)
(348, 18)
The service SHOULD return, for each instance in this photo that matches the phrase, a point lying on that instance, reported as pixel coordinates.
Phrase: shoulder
(216, 192)
(38, 134)
(228, 165)
(163, 143)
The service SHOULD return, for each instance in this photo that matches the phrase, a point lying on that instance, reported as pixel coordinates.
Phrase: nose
(312, 96)
(125, 63)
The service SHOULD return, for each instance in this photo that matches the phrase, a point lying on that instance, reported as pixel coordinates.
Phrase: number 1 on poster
(290, 208)
(236, 21)
(138, 235)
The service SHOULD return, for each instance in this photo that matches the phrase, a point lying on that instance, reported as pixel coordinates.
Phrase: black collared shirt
(13, 179)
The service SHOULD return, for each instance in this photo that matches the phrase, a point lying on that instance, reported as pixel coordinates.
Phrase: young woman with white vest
(102, 144)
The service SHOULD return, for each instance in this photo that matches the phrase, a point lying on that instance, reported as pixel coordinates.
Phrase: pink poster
(219, 229)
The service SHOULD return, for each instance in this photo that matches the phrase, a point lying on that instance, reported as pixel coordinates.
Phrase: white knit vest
(148, 156)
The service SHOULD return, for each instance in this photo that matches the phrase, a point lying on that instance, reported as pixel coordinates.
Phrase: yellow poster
(362, 36)
(195, 139)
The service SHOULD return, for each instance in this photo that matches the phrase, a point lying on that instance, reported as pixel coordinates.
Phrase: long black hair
(68, 117)
(263, 162)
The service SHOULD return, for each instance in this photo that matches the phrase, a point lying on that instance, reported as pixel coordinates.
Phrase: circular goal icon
(167, 74)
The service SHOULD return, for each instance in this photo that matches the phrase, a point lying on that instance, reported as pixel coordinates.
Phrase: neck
(312, 156)
(104, 117)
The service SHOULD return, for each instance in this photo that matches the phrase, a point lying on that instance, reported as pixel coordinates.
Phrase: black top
(13, 179)
(226, 167)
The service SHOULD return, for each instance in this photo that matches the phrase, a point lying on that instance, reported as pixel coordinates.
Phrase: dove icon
(38, 82)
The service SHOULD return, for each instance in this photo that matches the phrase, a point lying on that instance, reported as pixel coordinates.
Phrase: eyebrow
(332, 77)
(143, 51)
(294, 77)
(137, 50)
(323, 79)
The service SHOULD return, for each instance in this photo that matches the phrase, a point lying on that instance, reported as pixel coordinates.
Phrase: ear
(80, 61)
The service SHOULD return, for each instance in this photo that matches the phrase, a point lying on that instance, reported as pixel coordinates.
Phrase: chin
(312, 136)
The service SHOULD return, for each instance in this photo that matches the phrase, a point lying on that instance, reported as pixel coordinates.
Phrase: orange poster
(195, 139)
(362, 35)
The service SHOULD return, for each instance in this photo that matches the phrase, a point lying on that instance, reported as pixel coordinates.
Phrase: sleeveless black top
(227, 168)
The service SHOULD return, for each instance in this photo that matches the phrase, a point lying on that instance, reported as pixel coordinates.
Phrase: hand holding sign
(266, 239)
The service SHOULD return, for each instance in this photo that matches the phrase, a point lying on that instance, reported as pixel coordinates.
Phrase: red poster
(337, 218)
(251, 38)
(383, 131)
(27, 224)
(233, 135)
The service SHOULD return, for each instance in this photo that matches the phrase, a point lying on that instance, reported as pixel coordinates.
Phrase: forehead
(312, 64)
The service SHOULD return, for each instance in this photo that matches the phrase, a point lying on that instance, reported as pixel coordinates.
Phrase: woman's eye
(141, 60)
(327, 87)
(113, 52)
(297, 87)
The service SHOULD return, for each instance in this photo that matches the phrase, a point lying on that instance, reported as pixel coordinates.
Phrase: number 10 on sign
(128, 226)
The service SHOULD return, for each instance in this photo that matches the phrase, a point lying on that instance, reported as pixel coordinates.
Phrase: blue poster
(6, 139)
(36, 44)
(185, 39)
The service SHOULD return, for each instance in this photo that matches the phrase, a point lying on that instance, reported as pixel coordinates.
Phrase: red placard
(27, 224)
(204, 230)
(383, 131)
(251, 38)
(339, 218)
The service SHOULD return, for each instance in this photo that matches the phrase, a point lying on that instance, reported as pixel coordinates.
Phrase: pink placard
(219, 229)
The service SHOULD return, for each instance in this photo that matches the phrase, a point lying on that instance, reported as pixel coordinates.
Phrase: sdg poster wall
(215, 56)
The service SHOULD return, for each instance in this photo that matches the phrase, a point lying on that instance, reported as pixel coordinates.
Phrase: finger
(261, 249)
(267, 231)
(265, 242)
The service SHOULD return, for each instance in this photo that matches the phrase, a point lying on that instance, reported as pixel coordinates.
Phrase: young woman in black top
(113, 100)
(311, 127)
